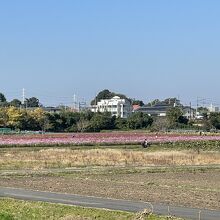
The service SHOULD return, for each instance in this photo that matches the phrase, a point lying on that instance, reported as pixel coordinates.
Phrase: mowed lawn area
(11, 209)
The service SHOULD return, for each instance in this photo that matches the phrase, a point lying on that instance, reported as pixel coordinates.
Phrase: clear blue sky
(145, 49)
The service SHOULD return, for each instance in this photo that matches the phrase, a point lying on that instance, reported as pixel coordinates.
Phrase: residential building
(156, 110)
(116, 106)
(189, 112)
(47, 109)
(135, 107)
(159, 109)
(213, 108)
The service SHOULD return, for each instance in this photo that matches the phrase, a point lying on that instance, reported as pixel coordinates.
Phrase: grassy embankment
(20, 210)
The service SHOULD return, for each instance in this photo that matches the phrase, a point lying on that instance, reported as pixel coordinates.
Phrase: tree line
(68, 121)
(31, 116)
(32, 102)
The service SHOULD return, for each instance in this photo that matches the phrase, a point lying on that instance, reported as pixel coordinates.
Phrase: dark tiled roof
(156, 109)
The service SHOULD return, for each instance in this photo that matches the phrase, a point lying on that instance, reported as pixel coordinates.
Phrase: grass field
(38, 158)
(20, 210)
(182, 174)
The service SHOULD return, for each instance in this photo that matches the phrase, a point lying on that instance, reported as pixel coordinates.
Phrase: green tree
(41, 118)
(203, 111)
(57, 122)
(3, 117)
(87, 115)
(139, 120)
(32, 102)
(154, 102)
(83, 124)
(106, 94)
(214, 119)
(29, 122)
(171, 101)
(101, 121)
(183, 120)
(3, 101)
(70, 120)
(2, 98)
(175, 117)
(121, 123)
(137, 102)
(15, 103)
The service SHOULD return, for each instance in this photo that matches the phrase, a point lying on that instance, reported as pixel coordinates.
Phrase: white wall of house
(116, 106)
(163, 114)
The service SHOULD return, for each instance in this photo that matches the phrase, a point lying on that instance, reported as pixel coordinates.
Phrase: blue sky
(145, 49)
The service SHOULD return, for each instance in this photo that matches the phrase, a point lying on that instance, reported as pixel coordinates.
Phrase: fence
(5, 130)
(194, 214)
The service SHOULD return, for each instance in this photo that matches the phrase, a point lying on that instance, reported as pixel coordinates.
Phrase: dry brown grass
(55, 157)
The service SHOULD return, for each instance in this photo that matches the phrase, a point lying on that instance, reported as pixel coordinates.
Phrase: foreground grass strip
(11, 209)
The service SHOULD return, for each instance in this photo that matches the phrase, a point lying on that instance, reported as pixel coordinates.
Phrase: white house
(189, 112)
(117, 106)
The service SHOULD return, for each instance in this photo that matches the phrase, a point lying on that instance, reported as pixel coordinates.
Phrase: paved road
(112, 204)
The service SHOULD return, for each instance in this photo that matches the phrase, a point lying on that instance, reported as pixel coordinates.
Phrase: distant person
(145, 144)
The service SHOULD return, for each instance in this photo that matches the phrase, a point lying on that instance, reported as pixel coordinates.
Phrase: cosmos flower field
(99, 138)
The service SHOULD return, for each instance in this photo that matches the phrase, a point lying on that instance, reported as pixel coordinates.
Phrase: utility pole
(197, 106)
(79, 107)
(74, 101)
(190, 110)
(95, 106)
(23, 96)
(200, 100)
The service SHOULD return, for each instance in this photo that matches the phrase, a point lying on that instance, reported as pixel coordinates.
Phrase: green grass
(187, 145)
(11, 209)
(211, 145)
